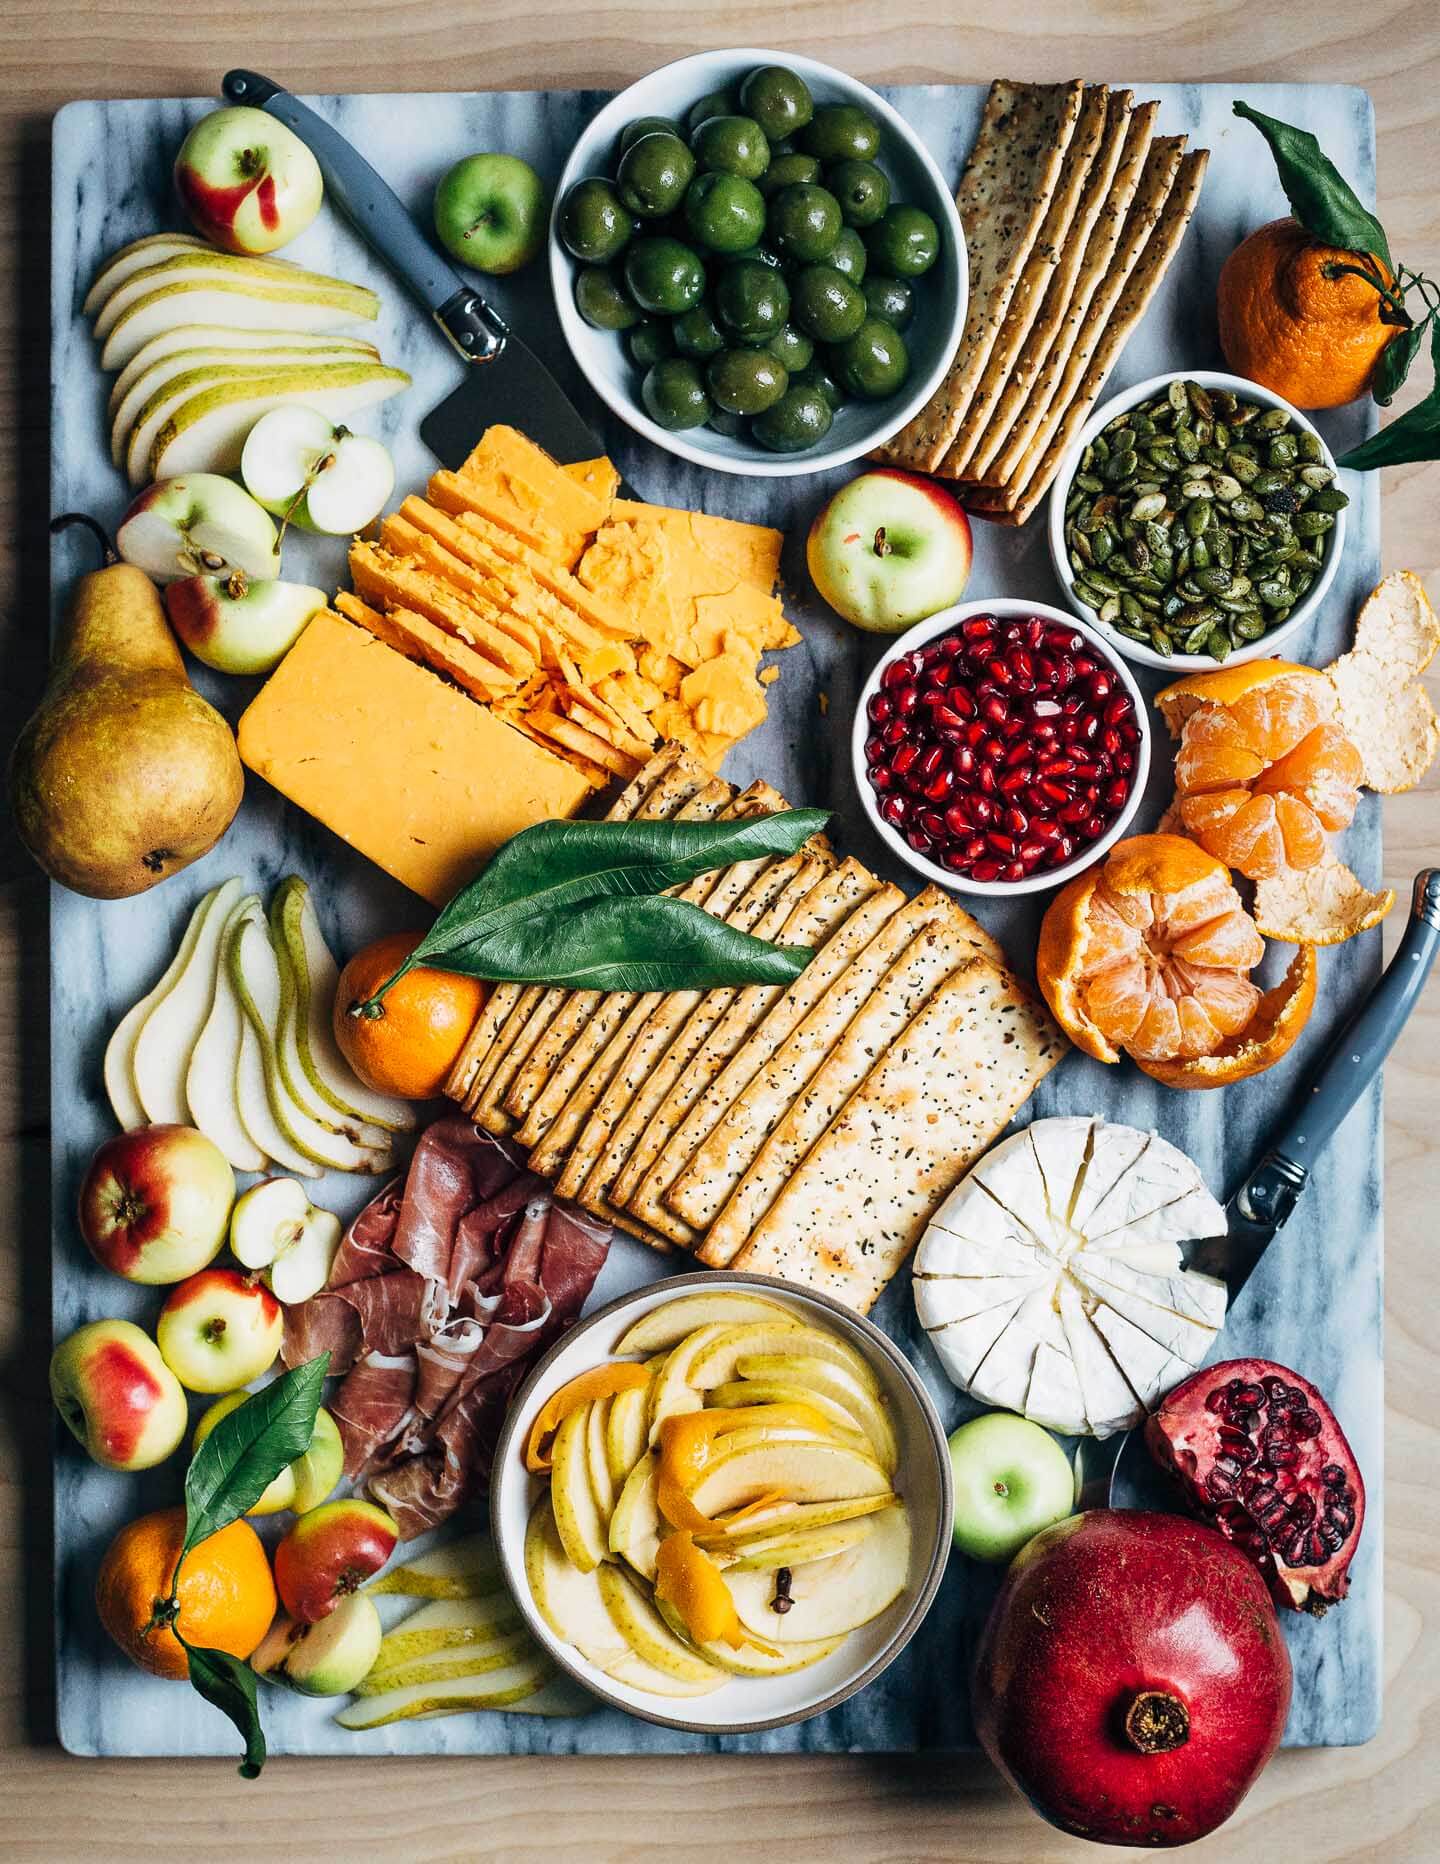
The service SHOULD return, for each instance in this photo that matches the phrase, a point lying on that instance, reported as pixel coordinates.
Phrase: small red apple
(219, 1330)
(889, 549)
(117, 1395)
(330, 1553)
(155, 1203)
(247, 182)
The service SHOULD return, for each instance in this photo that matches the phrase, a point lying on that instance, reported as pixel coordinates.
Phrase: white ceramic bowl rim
(709, 67)
(1135, 650)
(1004, 608)
(915, 1608)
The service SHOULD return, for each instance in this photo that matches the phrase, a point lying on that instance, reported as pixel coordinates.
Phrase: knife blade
(504, 379)
(1259, 1209)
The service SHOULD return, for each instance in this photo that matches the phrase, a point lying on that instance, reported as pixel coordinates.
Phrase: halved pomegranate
(1262, 1457)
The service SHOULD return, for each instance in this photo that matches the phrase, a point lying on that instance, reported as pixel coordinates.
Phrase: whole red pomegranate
(1262, 1457)
(1131, 1679)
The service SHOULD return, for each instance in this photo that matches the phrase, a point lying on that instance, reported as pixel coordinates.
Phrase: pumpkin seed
(1148, 507)
(1100, 545)
(1328, 499)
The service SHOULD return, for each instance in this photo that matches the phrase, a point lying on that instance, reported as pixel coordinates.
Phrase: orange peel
(1379, 701)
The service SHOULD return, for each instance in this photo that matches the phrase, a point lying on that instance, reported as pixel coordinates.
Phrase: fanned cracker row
(812, 1128)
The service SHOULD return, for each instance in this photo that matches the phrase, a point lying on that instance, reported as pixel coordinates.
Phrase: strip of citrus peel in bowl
(1272, 758)
(1149, 954)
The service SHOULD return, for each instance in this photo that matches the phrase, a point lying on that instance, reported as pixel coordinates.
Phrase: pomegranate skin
(1131, 1680)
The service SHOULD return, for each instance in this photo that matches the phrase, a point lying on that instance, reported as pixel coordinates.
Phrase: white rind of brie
(1051, 1280)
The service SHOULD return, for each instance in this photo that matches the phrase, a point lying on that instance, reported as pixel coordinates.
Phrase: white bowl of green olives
(1197, 518)
(757, 264)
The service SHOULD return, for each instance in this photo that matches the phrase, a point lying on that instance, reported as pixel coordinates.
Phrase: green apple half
(310, 472)
(276, 1229)
(328, 1658)
(198, 525)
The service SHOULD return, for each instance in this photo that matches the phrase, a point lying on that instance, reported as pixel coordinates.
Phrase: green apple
(321, 477)
(1011, 1479)
(200, 525)
(318, 1470)
(239, 626)
(490, 212)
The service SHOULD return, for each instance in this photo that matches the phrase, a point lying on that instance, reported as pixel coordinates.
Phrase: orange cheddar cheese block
(419, 639)
(599, 476)
(396, 762)
(750, 552)
(520, 478)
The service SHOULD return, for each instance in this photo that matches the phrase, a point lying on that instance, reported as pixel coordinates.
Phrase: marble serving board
(1315, 1302)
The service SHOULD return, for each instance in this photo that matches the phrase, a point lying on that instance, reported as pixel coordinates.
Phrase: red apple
(155, 1203)
(219, 1330)
(889, 549)
(120, 1399)
(248, 183)
(330, 1553)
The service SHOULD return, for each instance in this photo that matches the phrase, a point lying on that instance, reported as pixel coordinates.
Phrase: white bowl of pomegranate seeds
(1000, 747)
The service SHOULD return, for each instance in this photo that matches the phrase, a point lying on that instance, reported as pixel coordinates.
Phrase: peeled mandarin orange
(1290, 320)
(411, 1046)
(1149, 954)
(226, 1594)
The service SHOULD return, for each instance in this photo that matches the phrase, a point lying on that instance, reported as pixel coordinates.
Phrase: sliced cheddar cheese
(521, 481)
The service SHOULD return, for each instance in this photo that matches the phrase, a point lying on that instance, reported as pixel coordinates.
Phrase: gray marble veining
(1316, 1301)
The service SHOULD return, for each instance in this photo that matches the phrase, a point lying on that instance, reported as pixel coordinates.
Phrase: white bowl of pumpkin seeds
(1197, 518)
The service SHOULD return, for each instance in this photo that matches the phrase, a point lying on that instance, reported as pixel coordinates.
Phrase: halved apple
(826, 1378)
(794, 1516)
(833, 1596)
(493, 1689)
(238, 626)
(635, 1524)
(647, 1633)
(577, 1514)
(321, 477)
(211, 1080)
(462, 1569)
(201, 524)
(276, 1229)
(802, 1468)
(627, 1432)
(750, 1659)
(673, 1392)
(667, 1325)
(719, 1363)
(568, 1600)
(798, 1548)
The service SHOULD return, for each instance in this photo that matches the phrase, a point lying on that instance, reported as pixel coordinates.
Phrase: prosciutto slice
(444, 1290)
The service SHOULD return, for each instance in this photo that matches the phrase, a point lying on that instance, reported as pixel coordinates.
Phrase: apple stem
(882, 542)
(1157, 1722)
(214, 1330)
(67, 519)
(237, 585)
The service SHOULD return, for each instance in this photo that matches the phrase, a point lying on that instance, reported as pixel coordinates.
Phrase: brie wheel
(1051, 1280)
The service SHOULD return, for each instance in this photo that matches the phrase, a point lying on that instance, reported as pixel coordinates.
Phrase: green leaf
(247, 1449)
(1415, 436)
(1320, 197)
(229, 1685)
(1395, 361)
(652, 943)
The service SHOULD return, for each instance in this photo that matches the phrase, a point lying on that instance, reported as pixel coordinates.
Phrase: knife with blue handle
(504, 380)
(1264, 1202)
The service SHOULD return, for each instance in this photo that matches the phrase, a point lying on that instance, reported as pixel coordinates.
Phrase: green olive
(602, 301)
(751, 299)
(663, 276)
(730, 425)
(724, 213)
(648, 126)
(593, 225)
(786, 171)
(746, 381)
(892, 300)
(841, 133)
(731, 145)
(861, 189)
(712, 104)
(654, 174)
(904, 241)
(792, 346)
(873, 363)
(649, 342)
(804, 222)
(778, 99)
(815, 375)
(848, 256)
(674, 394)
(827, 305)
(800, 418)
(697, 334)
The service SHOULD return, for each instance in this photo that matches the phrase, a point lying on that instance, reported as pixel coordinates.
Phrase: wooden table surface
(1375, 1802)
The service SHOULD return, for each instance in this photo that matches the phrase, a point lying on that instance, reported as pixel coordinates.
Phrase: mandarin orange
(226, 1594)
(410, 1048)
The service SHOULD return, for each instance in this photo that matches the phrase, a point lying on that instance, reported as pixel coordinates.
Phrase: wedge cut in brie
(1051, 1281)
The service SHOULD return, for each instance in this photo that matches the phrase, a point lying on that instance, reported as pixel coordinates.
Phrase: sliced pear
(366, 1134)
(295, 929)
(627, 1432)
(133, 258)
(212, 1080)
(647, 1633)
(794, 1516)
(748, 1436)
(638, 1674)
(743, 1392)
(568, 1600)
(239, 303)
(240, 345)
(577, 1515)
(750, 1660)
(169, 1033)
(720, 1361)
(800, 1548)
(667, 1325)
(801, 1468)
(824, 1378)
(505, 1648)
(602, 1483)
(448, 1624)
(673, 1394)
(207, 267)
(118, 1066)
(207, 432)
(255, 974)
(494, 1689)
(635, 1524)
(461, 1569)
(561, 1697)
(830, 1597)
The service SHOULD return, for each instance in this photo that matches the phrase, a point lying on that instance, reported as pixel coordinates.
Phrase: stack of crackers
(597, 626)
(1073, 209)
(807, 1131)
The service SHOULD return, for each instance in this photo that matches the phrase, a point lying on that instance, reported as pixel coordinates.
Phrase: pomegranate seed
(1011, 729)
(1015, 820)
(985, 777)
(1130, 733)
(962, 700)
(1045, 829)
(1091, 793)
(998, 671)
(1012, 631)
(1088, 831)
(918, 840)
(957, 817)
(1044, 708)
(940, 785)
(906, 699)
(1022, 668)
(992, 750)
(976, 730)
(1034, 631)
(904, 758)
(894, 810)
(962, 760)
(879, 709)
(1057, 766)
(947, 720)
(978, 627)
(982, 811)
(882, 779)
(1074, 813)
(1124, 762)
(984, 871)
(1116, 794)
(1054, 792)
(940, 673)
(1015, 871)
(874, 751)
(1086, 769)
(974, 847)
(1064, 848)
(1071, 704)
(1084, 665)
(931, 760)
(994, 708)
(1014, 781)
(1100, 685)
(1119, 707)
(1087, 726)
(1017, 754)
(1045, 730)
(954, 860)
(898, 673)
(894, 732)
(932, 823)
(1111, 740)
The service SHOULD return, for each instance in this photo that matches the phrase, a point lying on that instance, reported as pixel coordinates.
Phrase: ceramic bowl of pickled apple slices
(723, 1503)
